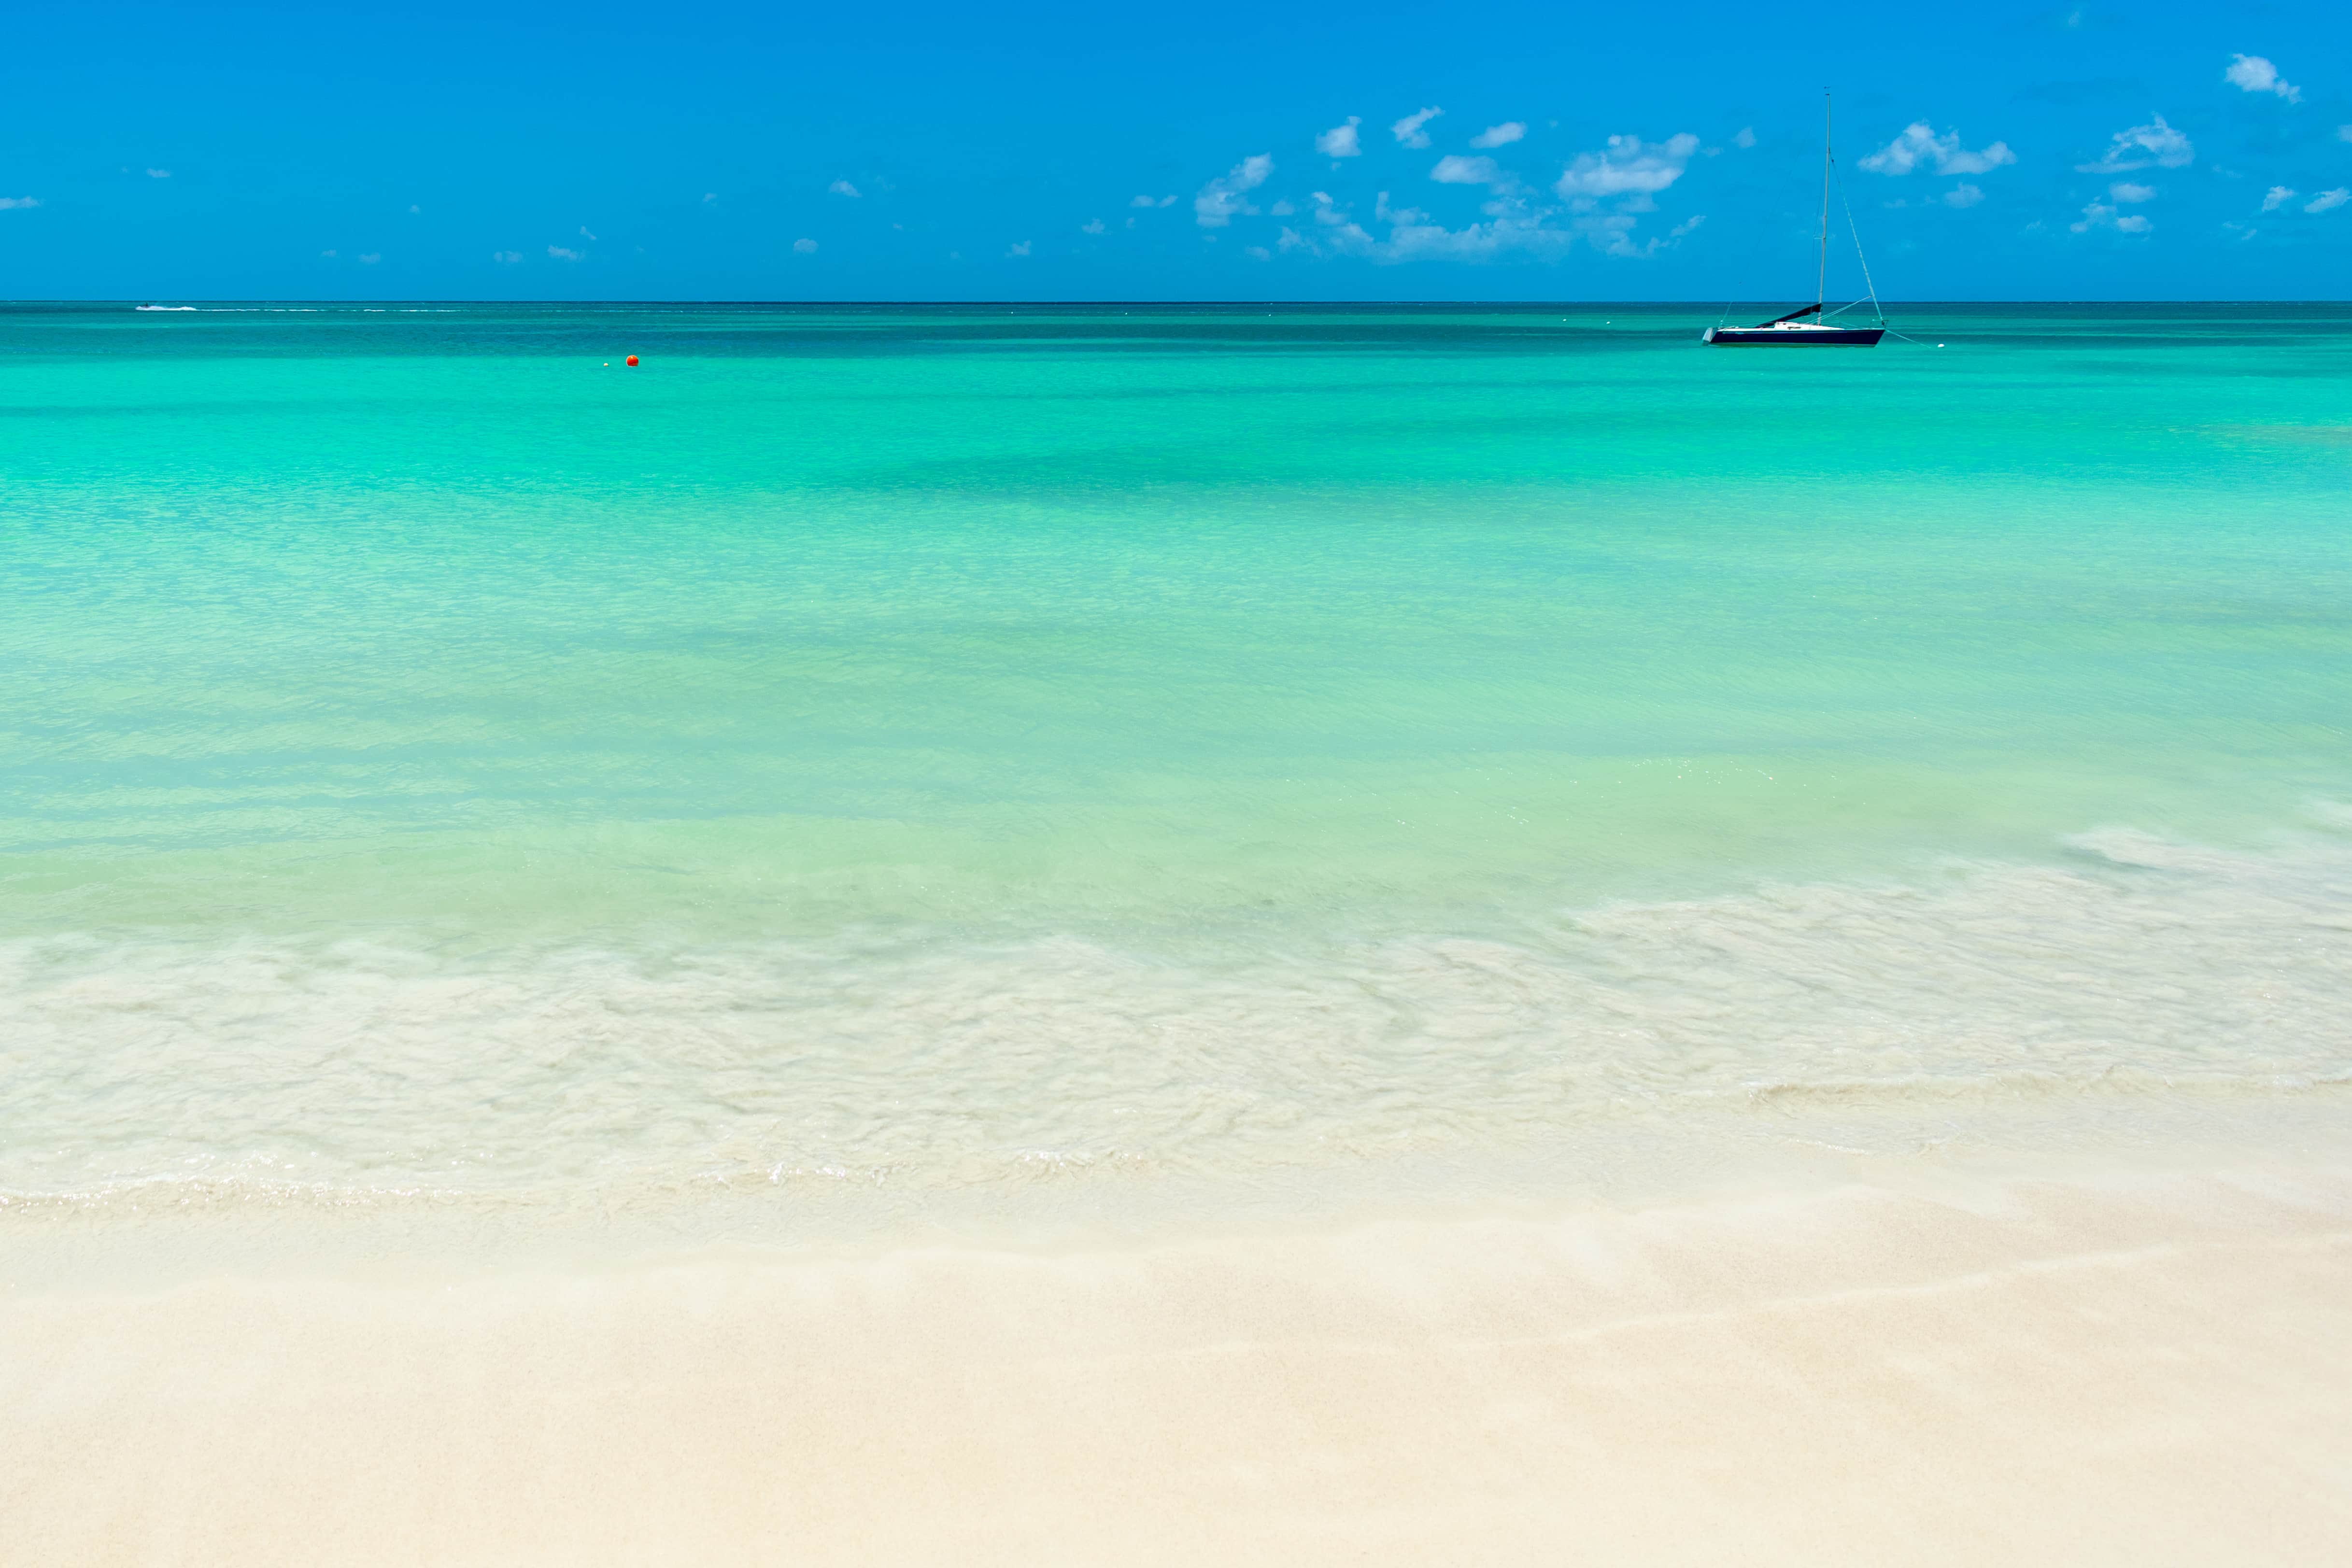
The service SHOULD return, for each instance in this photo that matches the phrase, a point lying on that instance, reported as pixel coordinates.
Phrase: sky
(709, 150)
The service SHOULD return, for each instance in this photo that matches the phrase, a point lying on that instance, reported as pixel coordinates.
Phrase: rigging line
(1829, 162)
(1855, 230)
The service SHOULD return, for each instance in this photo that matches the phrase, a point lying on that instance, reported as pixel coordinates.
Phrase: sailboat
(1793, 328)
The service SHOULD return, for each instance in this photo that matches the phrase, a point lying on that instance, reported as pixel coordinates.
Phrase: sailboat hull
(1818, 337)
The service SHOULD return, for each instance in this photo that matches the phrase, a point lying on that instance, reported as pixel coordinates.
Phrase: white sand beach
(2136, 1370)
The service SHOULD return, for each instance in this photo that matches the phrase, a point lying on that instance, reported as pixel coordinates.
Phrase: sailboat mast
(1822, 280)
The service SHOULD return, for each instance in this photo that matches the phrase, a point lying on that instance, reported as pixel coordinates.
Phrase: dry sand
(2138, 1371)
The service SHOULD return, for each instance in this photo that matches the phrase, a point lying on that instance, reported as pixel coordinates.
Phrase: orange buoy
(633, 358)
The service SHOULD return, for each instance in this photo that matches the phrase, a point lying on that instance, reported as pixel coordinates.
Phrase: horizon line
(136, 300)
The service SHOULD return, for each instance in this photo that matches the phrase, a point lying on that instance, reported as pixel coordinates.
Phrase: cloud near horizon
(1221, 200)
(1501, 135)
(1513, 224)
(2106, 214)
(1629, 167)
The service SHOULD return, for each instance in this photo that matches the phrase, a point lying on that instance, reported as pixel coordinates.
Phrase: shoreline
(1961, 1145)
(2125, 1367)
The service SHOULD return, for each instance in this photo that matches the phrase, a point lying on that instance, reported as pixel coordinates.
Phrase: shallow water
(961, 748)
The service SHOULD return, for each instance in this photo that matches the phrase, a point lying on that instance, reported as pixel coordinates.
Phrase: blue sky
(1210, 151)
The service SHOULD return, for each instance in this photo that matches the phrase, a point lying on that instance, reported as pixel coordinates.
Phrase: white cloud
(1408, 131)
(2251, 73)
(1340, 141)
(1091, 226)
(1746, 139)
(159, 173)
(584, 234)
(326, 253)
(371, 257)
(709, 196)
(1614, 236)
(2104, 214)
(2344, 133)
(1478, 242)
(414, 209)
(2328, 201)
(1920, 146)
(2276, 197)
(1629, 166)
(1258, 252)
(1220, 201)
(1501, 135)
(1019, 247)
(1515, 220)
(10, 203)
(843, 188)
(804, 248)
(1455, 170)
(1153, 202)
(1962, 195)
(507, 256)
(2131, 193)
(2153, 143)
(1513, 225)
(557, 253)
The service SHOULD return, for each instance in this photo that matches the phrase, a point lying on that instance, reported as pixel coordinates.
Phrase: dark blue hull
(1820, 336)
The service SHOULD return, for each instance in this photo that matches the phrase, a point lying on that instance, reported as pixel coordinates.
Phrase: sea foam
(385, 1063)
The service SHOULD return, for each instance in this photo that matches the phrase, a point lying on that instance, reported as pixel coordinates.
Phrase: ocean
(963, 749)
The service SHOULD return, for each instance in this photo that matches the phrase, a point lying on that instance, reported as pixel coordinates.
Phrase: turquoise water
(965, 741)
